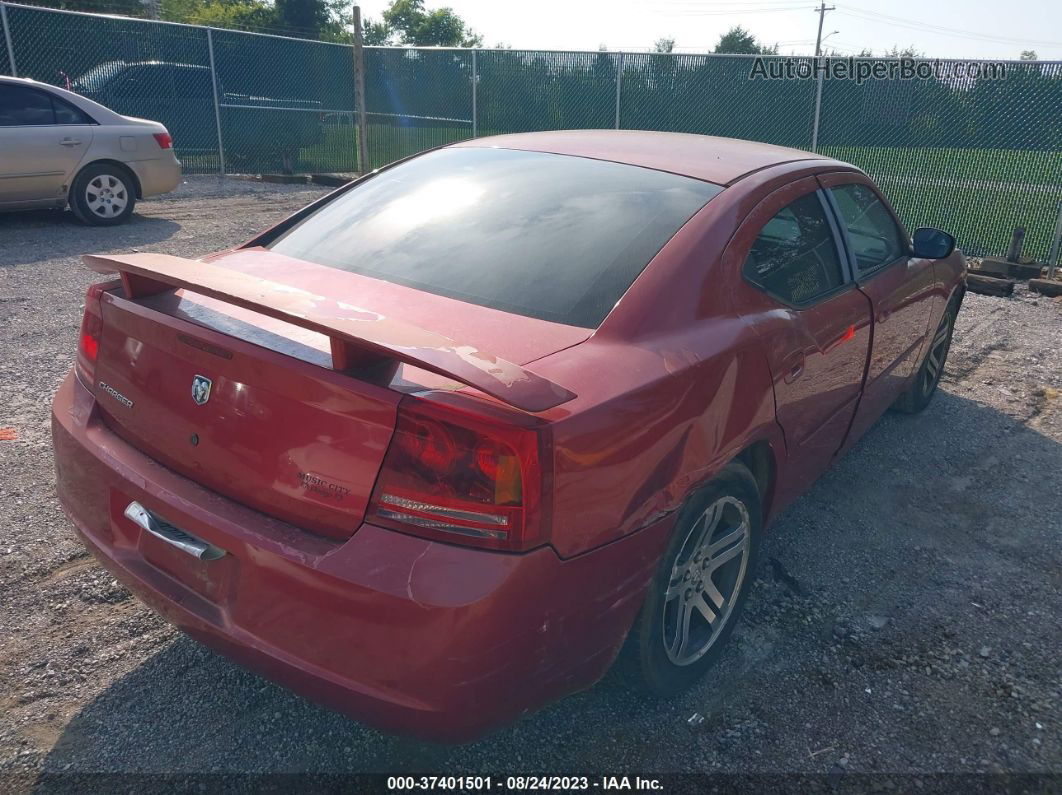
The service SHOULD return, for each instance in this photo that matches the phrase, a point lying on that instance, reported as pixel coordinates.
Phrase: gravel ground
(907, 618)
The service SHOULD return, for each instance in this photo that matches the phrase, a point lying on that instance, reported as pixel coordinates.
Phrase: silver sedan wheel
(106, 196)
(938, 354)
(706, 580)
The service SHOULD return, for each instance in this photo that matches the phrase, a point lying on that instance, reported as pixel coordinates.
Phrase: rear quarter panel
(661, 422)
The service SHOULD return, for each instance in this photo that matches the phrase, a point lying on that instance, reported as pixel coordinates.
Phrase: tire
(658, 660)
(925, 383)
(103, 194)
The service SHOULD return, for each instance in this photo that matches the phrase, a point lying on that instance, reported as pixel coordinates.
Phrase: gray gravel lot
(907, 617)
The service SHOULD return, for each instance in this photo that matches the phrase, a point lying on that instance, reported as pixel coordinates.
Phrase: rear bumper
(409, 635)
(160, 175)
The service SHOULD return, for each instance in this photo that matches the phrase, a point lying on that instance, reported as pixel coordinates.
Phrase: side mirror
(930, 243)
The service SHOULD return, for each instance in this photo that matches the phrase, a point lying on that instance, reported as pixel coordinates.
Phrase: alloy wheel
(938, 353)
(706, 580)
(106, 196)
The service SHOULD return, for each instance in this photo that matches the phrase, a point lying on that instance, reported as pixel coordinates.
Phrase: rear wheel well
(759, 458)
(118, 165)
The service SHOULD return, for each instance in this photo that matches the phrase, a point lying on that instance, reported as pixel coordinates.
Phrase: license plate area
(201, 567)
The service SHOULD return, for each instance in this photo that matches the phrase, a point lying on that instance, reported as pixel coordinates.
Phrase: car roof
(705, 157)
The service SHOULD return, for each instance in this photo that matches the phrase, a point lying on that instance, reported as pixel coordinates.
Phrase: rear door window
(795, 257)
(22, 106)
(192, 82)
(143, 81)
(555, 237)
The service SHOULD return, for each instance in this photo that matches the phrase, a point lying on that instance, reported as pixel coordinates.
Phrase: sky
(942, 28)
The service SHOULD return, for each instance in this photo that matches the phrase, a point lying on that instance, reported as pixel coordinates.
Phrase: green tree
(407, 22)
(132, 8)
(737, 40)
(375, 34)
(907, 52)
(252, 14)
(664, 44)
(303, 17)
(315, 19)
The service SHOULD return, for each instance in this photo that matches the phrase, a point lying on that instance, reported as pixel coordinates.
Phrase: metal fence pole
(217, 104)
(1052, 258)
(818, 109)
(7, 39)
(619, 84)
(359, 93)
(475, 124)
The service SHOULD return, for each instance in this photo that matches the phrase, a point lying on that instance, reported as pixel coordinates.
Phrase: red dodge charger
(440, 446)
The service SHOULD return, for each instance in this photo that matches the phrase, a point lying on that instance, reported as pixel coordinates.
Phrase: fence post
(217, 104)
(359, 92)
(7, 39)
(818, 108)
(619, 84)
(475, 124)
(1052, 257)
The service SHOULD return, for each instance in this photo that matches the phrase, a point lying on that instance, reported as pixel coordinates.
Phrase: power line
(727, 3)
(736, 11)
(911, 24)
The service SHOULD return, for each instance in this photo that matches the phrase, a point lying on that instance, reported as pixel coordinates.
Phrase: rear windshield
(98, 76)
(547, 236)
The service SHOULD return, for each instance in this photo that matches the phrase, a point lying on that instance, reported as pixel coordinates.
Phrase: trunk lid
(251, 406)
(290, 439)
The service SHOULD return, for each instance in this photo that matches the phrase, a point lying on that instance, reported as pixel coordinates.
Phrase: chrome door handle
(186, 542)
(70, 142)
(795, 371)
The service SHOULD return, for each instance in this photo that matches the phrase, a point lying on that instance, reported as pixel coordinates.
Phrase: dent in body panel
(636, 455)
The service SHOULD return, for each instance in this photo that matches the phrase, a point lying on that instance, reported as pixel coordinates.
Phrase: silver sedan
(58, 148)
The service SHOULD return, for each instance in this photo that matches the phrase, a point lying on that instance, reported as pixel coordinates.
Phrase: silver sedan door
(42, 140)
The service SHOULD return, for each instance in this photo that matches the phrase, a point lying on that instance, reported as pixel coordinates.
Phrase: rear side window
(548, 236)
(143, 81)
(193, 82)
(21, 106)
(873, 235)
(795, 256)
(65, 113)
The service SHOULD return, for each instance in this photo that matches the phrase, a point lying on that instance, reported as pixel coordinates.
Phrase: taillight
(165, 140)
(88, 346)
(461, 478)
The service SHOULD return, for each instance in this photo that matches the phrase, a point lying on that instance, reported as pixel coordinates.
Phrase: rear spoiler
(356, 334)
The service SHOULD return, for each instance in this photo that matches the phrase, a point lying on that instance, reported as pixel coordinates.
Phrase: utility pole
(821, 11)
(359, 93)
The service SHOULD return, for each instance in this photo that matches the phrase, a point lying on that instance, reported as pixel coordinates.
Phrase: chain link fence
(416, 99)
(233, 101)
(975, 156)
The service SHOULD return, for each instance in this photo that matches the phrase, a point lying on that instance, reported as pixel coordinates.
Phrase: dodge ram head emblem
(200, 389)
